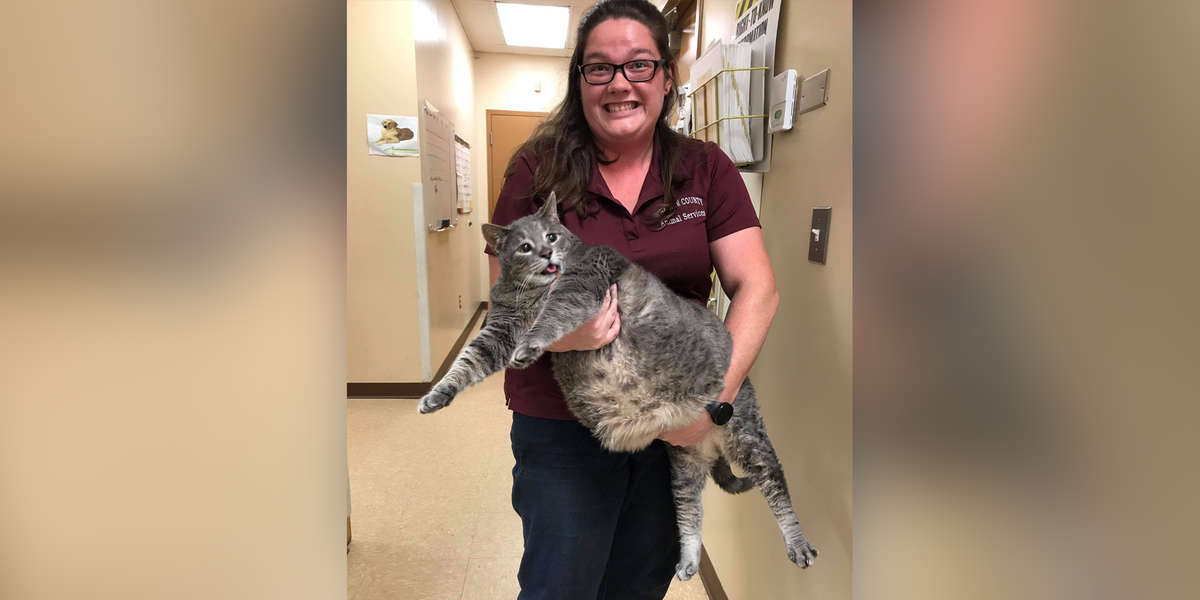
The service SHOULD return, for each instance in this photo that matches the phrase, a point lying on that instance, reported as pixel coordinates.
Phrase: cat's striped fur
(667, 363)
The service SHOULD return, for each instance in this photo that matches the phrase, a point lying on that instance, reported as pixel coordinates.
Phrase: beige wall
(445, 77)
(400, 53)
(803, 375)
(506, 82)
(381, 298)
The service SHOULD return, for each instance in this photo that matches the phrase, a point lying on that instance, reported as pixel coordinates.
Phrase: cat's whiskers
(524, 285)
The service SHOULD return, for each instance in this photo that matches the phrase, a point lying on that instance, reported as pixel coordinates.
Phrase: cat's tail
(723, 475)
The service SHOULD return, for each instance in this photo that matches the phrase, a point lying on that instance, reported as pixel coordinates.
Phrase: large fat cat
(666, 365)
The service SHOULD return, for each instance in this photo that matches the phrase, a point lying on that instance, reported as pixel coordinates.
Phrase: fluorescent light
(535, 26)
(426, 27)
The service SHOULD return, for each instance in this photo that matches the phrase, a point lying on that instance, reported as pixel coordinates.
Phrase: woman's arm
(746, 275)
(749, 281)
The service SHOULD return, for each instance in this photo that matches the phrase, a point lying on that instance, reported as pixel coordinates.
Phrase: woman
(599, 524)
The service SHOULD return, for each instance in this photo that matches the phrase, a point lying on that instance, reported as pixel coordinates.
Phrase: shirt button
(631, 235)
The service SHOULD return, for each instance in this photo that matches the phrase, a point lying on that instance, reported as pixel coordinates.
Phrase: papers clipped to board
(727, 100)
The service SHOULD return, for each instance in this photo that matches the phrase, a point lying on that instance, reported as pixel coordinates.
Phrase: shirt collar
(651, 188)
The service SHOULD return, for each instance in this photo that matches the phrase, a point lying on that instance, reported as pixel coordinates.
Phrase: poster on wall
(757, 22)
(392, 135)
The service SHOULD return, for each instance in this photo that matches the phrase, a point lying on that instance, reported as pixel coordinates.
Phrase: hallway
(430, 501)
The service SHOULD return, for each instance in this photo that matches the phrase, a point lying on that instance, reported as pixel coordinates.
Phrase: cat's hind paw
(432, 401)
(802, 553)
(688, 565)
(525, 355)
(685, 569)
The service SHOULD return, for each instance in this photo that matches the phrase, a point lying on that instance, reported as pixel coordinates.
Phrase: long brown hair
(563, 147)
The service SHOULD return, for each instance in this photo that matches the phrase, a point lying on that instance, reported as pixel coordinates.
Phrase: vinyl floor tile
(430, 501)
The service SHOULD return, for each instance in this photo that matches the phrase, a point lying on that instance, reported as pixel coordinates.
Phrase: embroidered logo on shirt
(697, 204)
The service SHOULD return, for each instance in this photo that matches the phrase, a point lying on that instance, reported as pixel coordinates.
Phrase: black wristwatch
(720, 412)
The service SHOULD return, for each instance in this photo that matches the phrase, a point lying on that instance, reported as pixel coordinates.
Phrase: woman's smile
(620, 107)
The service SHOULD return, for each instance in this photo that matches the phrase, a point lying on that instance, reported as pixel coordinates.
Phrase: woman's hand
(690, 434)
(597, 333)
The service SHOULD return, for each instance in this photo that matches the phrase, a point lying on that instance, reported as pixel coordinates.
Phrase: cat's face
(534, 249)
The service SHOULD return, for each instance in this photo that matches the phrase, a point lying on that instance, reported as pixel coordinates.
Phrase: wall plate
(814, 92)
(818, 234)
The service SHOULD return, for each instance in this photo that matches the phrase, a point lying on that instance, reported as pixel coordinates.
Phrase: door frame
(488, 125)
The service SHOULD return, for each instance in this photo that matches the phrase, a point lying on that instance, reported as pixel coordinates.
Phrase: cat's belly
(626, 403)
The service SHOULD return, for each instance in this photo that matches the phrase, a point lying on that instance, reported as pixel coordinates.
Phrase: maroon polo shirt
(712, 202)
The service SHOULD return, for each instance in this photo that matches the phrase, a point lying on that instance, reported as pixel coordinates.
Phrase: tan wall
(803, 375)
(381, 298)
(399, 54)
(506, 82)
(445, 77)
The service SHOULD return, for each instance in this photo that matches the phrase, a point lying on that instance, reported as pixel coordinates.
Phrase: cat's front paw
(525, 355)
(802, 553)
(434, 400)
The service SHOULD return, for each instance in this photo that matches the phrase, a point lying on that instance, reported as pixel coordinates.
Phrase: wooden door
(506, 131)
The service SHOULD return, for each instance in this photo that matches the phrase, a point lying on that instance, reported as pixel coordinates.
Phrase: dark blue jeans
(597, 524)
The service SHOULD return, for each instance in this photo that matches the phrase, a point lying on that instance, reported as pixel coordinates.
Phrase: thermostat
(783, 101)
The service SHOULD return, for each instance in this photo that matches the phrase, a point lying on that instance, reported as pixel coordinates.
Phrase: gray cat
(666, 365)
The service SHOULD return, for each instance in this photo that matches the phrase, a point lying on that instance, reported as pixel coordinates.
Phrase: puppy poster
(390, 135)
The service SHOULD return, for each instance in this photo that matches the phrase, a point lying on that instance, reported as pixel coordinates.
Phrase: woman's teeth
(620, 107)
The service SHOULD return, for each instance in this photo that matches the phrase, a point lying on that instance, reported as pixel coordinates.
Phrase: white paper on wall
(392, 135)
(462, 164)
(724, 96)
(437, 168)
(756, 22)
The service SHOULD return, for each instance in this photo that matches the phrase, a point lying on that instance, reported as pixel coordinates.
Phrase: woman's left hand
(689, 434)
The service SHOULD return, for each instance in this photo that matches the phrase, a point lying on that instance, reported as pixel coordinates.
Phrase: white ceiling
(479, 20)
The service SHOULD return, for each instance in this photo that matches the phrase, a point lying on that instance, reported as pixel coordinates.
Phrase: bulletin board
(439, 189)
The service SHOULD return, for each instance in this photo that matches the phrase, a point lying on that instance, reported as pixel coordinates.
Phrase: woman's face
(621, 113)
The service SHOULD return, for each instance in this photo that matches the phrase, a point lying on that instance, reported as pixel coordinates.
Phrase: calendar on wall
(462, 162)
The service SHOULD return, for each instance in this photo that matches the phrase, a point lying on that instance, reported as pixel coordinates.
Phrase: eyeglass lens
(634, 71)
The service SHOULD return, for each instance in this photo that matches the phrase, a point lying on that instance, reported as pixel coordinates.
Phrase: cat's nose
(545, 253)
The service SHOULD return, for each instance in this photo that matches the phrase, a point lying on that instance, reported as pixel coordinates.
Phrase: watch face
(722, 414)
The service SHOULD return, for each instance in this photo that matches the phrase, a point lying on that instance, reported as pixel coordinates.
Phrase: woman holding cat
(599, 524)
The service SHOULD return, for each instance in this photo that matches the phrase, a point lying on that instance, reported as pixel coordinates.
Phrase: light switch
(818, 239)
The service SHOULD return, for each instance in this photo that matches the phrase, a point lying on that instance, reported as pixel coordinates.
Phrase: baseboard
(417, 389)
(708, 576)
(387, 390)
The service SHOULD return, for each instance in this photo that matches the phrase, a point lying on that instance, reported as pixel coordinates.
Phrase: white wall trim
(418, 204)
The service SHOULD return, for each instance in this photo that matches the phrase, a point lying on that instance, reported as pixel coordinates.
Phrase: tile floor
(430, 501)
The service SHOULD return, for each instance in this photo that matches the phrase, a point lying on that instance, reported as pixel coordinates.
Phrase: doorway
(506, 131)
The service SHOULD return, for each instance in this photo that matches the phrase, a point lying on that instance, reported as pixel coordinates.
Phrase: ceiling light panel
(534, 25)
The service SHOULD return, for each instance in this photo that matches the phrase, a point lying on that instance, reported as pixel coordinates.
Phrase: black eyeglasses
(642, 69)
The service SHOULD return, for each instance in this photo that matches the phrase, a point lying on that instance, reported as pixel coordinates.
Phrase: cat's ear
(494, 234)
(549, 210)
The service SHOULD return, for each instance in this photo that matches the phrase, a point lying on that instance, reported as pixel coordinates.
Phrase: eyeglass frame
(658, 62)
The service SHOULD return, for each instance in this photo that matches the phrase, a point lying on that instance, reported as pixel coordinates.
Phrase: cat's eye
(526, 247)
(551, 237)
